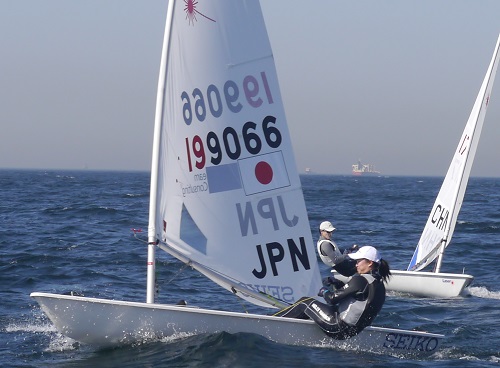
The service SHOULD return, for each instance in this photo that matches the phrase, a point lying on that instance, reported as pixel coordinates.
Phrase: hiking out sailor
(353, 307)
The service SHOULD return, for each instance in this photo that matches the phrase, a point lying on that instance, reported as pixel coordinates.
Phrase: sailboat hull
(429, 284)
(105, 323)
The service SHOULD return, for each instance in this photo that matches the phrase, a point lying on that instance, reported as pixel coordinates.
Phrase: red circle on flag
(263, 172)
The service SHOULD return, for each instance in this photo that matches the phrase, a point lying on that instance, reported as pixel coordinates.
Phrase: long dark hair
(384, 270)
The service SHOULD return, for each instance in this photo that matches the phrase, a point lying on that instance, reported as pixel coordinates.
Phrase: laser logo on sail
(191, 11)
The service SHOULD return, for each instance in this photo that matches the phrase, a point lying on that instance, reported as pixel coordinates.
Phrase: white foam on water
(60, 343)
(482, 292)
(30, 327)
(57, 341)
(177, 336)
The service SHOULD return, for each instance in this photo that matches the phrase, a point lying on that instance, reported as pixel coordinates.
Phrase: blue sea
(65, 231)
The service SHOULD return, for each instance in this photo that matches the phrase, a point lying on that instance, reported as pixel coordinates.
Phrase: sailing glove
(332, 283)
(323, 291)
(327, 281)
(352, 249)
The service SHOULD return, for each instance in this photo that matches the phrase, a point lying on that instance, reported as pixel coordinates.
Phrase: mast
(160, 99)
(439, 260)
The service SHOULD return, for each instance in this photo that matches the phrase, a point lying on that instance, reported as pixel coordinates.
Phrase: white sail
(229, 198)
(440, 225)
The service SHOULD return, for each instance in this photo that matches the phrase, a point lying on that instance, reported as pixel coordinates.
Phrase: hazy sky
(389, 82)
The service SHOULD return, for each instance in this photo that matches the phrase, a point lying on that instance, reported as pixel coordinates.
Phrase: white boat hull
(426, 284)
(105, 323)
(429, 284)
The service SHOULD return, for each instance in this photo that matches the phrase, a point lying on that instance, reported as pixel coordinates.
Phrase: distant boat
(442, 219)
(360, 169)
(308, 170)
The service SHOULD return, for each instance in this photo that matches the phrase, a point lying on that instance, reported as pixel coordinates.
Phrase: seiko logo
(409, 342)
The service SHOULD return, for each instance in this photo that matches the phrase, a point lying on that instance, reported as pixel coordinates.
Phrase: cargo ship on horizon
(360, 169)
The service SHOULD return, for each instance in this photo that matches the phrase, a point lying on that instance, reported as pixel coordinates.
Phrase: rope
(178, 272)
(136, 231)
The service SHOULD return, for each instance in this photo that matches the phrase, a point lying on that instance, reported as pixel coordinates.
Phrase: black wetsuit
(348, 310)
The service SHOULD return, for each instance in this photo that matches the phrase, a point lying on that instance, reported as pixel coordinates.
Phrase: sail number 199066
(253, 91)
(254, 96)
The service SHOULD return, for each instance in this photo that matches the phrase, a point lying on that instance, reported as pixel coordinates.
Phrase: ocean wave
(483, 292)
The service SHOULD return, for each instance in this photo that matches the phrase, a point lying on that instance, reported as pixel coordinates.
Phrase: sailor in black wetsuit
(354, 306)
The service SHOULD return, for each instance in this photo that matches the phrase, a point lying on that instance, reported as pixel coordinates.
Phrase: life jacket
(324, 258)
(359, 310)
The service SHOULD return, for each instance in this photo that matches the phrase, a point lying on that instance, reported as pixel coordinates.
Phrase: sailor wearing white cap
(327, 249)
